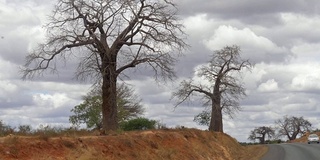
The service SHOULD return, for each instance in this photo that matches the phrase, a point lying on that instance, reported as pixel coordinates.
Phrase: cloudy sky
(282, 39)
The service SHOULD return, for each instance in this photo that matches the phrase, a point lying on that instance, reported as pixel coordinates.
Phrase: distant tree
(222, 90)
(24, 129)
(260, 133)
(292, 126)
(138, 124)
(109, 37)
(89, 112)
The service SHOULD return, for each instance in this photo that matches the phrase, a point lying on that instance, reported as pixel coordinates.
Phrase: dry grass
(187, 144)
(255, 152)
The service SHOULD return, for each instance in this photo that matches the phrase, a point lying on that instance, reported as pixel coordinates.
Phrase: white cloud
(7, 69)
(306, 82)
(269, 86)
(52, 101)
(254, 47)
(306, 52)
(199, 25)
(6, 87)
(21, 15)
(226, 35)
(296, 24)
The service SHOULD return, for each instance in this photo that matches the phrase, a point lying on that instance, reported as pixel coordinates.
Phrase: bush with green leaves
(89, 112)
(138, 124)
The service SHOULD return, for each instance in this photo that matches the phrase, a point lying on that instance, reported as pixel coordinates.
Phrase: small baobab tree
(261, 133)
(222, 88)
(109, 37)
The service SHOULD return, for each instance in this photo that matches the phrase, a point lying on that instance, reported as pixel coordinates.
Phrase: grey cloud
(17, 103)
(14, 54)
(197, 55)
(258, 55)
(52, 113)
(12, 96)
(255, 99)
(248, 10)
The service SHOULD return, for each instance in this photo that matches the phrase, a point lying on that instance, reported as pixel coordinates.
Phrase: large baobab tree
(109, 37)
(222, 88)
(291, 126)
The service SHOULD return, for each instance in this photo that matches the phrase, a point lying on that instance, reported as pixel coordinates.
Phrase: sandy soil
(187, 144)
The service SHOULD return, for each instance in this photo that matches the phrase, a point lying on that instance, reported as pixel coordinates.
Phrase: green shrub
(138, 124)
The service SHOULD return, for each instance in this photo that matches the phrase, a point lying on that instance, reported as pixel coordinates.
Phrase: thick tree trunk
(216, 119)
(216, 123)
(109, 98)
(294, 135)
(262, 141)
(109, 105)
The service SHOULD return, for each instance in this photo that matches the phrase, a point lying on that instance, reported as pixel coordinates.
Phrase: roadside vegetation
(135, 124)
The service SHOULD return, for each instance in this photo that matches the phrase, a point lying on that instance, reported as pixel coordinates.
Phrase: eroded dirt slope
(144, 145)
